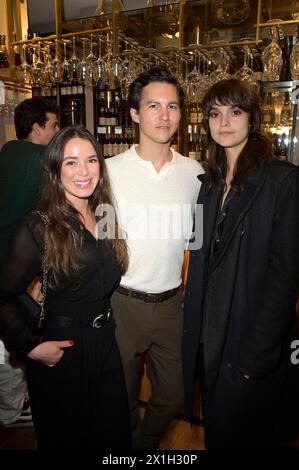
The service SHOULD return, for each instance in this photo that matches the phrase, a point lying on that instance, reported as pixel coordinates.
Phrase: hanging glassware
(245, 73)
(38, 68)
(295, 9)
(294, 59)
(221, 72)
(82, 65)
(66, 68)
(56, 64)
(100, 64)
(74, 62)
(272, 57)
(25, 69)
(49, 69)
(92, 73)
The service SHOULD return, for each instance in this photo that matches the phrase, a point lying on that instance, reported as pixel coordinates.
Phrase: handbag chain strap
(44, 274)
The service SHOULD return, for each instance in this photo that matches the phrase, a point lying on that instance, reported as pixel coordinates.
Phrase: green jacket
(20, 175)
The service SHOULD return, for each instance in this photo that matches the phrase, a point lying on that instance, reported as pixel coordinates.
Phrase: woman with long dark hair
(75, 379)
(242, 287)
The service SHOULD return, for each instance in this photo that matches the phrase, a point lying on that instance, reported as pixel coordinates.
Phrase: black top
(223, 210)
(86, 295)
(220, 221)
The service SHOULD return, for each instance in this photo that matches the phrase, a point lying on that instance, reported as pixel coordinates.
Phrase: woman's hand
(35, 290)
(50, 352)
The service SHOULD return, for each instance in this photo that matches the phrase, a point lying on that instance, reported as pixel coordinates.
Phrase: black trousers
(81, 402)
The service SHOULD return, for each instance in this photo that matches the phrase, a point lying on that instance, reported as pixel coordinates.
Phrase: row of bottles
(196, 142)
(71, 103)
(195, 132)
(115, 140)
(113, 122)
(71, 90)
(194, 115)
(111, 109)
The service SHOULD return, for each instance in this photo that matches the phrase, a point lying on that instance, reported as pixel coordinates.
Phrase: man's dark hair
(155, 74)
(32, 111)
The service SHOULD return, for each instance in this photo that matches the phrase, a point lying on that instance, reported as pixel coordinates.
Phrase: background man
(36, 122)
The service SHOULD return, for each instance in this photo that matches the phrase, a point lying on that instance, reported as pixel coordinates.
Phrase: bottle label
(193, 118)
(109, 149)
(199, 117)
(115, 148)
(194, 155)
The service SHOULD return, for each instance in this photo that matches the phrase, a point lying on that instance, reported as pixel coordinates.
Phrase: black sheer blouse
(86, 295)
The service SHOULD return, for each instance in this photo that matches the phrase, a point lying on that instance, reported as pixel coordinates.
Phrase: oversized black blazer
(250, 291)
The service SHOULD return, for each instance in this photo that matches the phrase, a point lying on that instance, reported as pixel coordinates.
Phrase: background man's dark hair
(30, 111)
(155, 74)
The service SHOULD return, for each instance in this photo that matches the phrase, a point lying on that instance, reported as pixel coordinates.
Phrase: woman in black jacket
(242, 287)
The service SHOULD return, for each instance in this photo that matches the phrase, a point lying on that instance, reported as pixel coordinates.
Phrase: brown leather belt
(149, 298)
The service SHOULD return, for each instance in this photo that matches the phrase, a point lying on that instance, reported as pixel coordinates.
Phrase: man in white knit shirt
(156, 191)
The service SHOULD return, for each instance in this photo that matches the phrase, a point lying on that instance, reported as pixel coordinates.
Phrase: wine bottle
(174, 143)
(281, 147)
(192, 113)
(268, 112)
(286, 111)
(193, 142)
(101, 107)
(3, 53)
(285, 73)
(17, 56)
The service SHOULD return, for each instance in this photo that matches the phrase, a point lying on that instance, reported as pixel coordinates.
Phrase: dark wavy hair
(64, 233)
(258, 148)
(155, 74)
(32, 111)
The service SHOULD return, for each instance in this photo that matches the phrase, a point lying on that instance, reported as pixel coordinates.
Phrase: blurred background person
(36, 121)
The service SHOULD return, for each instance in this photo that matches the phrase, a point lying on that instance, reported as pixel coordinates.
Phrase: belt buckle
(101, 319)
(150, 298)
